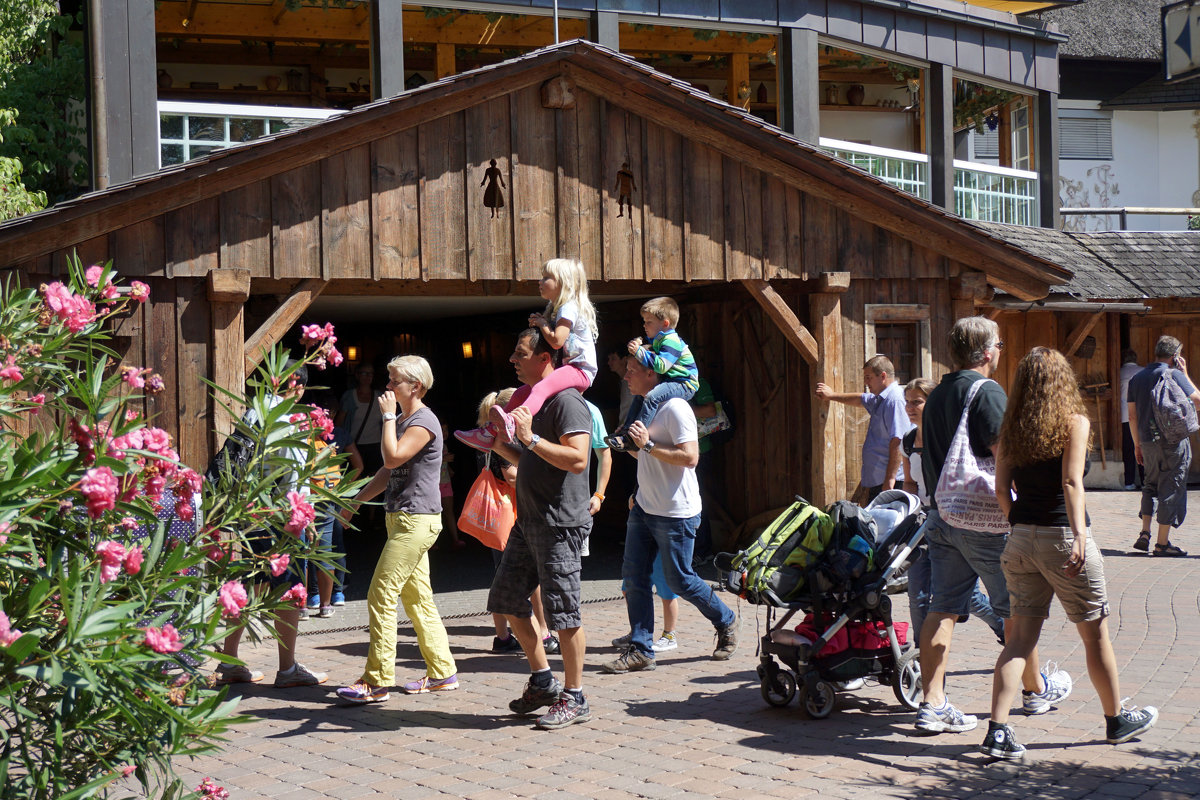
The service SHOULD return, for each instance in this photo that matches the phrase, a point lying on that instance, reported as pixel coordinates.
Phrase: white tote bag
(966, 489)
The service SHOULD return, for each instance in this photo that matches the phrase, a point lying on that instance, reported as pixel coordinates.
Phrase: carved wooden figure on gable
(493, 197)
(625, 189)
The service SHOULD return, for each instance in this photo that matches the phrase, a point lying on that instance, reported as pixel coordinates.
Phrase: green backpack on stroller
(773, 567)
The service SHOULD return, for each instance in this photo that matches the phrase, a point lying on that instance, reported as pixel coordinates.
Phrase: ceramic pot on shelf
(856, 94)
(272, 82)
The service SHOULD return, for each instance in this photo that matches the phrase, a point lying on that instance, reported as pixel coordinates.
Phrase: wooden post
(799, 87)
(963, 290)
(443, 61)
(737, 90)
(228, 290)
(828, 421)
(940, 100)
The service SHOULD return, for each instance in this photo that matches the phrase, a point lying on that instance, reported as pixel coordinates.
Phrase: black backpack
(231, 460)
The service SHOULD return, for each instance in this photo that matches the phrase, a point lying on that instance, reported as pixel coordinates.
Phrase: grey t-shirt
(413, 486)
(545, 492)
(1141, 388)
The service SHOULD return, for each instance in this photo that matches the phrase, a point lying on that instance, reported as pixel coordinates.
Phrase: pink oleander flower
(312, 335)
(127, 770)
(188, 482)
(75, 310)
(319, 418)
(154, 486)
(279, 563)
(185, 510)
(155, 384)
(93, 275)
(211, 791)
(112, 558)
(11, 372)
(8, 634)
(139, 291)
(297, 595)
(82, 435)
(99, 486)
(128, 523)
(133, 560)
(156, 440)
(233, 599)
(134, 377)
(302, 513)
(38, 399)
(164, 639)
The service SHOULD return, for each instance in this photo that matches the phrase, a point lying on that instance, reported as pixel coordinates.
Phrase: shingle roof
(1155, 92)
(1115, 265)
(1111, 29)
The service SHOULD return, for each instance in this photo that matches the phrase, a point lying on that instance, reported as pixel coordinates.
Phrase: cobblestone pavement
(698, 728)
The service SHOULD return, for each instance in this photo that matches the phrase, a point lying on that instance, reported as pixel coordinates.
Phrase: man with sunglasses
(959, 558)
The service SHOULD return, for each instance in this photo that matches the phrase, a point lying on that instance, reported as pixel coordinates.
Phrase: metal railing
(981, 191)
(995, 194)
(189, 130)
(908, 172)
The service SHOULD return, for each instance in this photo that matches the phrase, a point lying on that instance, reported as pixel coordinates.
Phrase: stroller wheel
(906, 679)
(780, 691)
(818, 701)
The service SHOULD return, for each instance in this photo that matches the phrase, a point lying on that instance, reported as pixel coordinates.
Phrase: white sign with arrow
(1181, 40)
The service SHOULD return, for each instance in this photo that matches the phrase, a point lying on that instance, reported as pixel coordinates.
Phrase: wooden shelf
(887, 109)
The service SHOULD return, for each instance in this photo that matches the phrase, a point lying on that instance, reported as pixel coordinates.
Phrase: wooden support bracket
(284, 318)
(1076, 337)
(229, 285)
(833, 282)
(784, 318)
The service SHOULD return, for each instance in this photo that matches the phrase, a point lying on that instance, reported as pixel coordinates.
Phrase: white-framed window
(189, 130)
(1022, 155)
(1085, 134)
(900, 332)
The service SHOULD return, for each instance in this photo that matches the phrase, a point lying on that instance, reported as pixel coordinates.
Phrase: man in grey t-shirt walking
(544, 547)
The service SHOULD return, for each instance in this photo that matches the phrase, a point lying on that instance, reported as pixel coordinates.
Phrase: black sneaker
(727, 642)
(632, 660)
(1000, 743)
(535, 697)
(550, 645)
(509, 645)
(567, 711)
(1129, 723)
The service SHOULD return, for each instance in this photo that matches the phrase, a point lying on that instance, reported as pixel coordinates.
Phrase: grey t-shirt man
(544, 492)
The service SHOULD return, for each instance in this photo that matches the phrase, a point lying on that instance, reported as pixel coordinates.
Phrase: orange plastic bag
(489, 512)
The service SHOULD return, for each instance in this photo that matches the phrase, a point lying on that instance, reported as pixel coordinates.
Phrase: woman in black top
(1042, 457)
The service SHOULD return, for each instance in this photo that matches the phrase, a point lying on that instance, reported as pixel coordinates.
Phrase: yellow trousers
(403, 573)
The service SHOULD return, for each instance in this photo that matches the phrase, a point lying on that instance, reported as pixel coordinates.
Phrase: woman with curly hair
(1041, 456)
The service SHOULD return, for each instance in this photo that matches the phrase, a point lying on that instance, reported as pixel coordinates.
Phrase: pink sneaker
(479, 438)
(503, 424)
(428, 684)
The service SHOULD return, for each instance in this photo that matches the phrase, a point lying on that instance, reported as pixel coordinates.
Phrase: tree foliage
(107, 615)
(42, 76)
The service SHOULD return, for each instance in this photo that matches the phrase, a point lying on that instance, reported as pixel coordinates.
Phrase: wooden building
(1127, 289)
(793, 267)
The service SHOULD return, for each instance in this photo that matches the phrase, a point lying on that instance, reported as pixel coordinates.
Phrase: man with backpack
(960, 557)
(1162, 413)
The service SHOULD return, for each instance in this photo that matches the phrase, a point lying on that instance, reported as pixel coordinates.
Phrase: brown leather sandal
(1168, 549)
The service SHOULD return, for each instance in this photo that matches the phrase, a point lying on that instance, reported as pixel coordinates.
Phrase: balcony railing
(189, 130)
(981, 191)
(995, 194)
(908, 172)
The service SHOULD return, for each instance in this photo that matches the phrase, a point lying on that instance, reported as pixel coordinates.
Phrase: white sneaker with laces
(1058, 688)
(298, 675)
(665, 642)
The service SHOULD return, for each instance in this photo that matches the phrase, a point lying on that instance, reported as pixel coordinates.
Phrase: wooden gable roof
(383, 192)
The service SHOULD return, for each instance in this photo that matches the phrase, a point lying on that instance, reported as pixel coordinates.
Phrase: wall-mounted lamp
(467, 351)
(352, 353)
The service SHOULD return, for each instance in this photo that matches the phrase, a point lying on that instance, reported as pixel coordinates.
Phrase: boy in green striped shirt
(669, 356)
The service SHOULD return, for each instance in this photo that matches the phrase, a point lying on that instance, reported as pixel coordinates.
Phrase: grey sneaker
(565, 711)
(298, 675)
(534, 698)
(945, 719)
(623, 641)
(1058, 688)
(727, 642)
(632, 660)
(1129, 723)
(1000, 743)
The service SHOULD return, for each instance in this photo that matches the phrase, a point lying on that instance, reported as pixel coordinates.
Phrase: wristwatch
(388, 416)
(533, 441)
(648, 446)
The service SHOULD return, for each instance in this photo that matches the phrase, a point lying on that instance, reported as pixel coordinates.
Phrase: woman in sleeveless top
(1042, 457)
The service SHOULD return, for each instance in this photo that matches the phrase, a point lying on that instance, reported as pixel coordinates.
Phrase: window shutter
(1085, 138)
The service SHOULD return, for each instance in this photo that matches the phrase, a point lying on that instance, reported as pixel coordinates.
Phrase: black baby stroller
(837, 568)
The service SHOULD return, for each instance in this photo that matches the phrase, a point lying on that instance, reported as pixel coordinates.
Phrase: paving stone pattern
(696, 728)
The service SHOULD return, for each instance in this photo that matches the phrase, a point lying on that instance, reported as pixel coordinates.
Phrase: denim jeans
(644, 408)
(918, 601)
(646, 535)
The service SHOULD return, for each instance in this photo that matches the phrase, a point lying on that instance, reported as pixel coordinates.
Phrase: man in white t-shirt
(664, 518)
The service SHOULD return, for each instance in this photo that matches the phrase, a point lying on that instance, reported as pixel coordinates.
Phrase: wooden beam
(443, 62)
(737, 85)
(278, 323)
(784, 318)
(827, 443)
(229, 285)
(1076, 337)
(229, 367)
(279, 7)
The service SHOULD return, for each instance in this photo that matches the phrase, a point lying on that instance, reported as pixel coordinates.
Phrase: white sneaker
(665, 642)
(1058, 688)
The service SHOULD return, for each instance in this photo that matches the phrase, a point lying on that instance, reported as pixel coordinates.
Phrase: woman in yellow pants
(412, 464)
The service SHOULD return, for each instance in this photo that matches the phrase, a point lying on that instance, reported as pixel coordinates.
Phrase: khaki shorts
(1033, 566)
